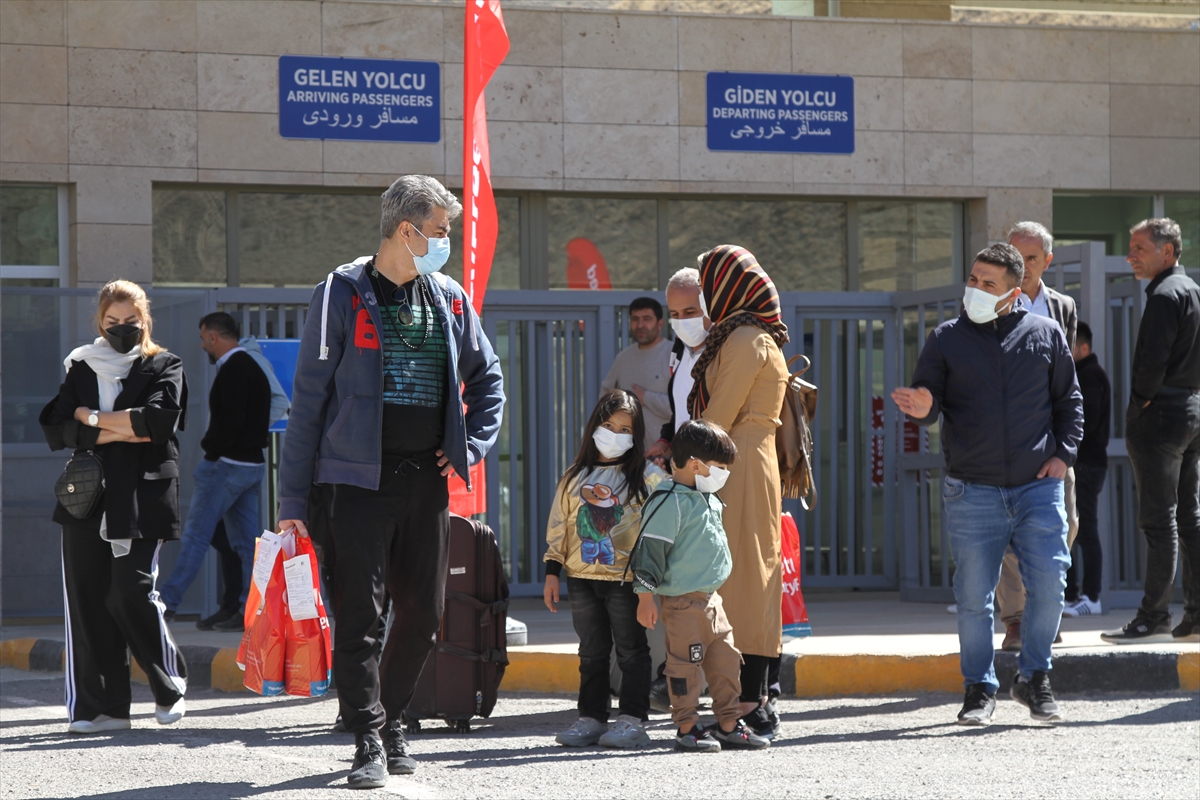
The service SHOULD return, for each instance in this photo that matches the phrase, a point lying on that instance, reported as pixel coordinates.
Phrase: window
(602, 243)
(1186, 211)
(908, 245)
(189, 238)
(800, 244)
(297, 239)
(1099, 218)
(506, 261)
(32, 222)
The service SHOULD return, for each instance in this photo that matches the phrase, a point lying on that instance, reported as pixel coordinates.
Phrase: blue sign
(283, 355)
(364, 99)
(779, 113)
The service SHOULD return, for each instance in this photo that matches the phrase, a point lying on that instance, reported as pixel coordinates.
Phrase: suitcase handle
(486, 610)
(487, 656)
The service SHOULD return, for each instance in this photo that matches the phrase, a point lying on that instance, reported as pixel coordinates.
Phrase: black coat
(141, 495)
(1008, 394)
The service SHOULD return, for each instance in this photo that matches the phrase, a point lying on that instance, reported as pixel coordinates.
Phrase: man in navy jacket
(1003, 382)
(391, 351)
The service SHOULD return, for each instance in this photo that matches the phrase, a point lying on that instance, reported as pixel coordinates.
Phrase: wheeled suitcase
(461, 676)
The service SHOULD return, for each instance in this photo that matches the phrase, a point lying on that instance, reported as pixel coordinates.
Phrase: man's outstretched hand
(916, 403)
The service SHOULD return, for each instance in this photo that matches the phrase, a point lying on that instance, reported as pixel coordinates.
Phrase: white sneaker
(583, 733)
(100, 724)
(169, 715)
(952, 608)
(1083, 607)
(626, 733)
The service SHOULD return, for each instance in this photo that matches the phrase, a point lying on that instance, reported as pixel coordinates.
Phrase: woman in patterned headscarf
(740, 381)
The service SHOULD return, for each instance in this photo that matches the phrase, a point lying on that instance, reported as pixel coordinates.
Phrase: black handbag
(81, 485)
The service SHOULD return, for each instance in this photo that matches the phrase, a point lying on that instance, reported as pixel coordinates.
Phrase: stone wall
(111, 96)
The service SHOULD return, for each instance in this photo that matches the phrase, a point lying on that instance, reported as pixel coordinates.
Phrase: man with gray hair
(1036, 246)
(690, 322)
(1162, 434)
(377, 420)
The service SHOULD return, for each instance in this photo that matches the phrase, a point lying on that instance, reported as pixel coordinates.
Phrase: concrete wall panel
(524, 94)
(878, 159)
(33, 134)
(738, 45)
(376, 30)
(1027, 53)
(609, 40)
(937, 51)
(133, 24)
(105, 252)
(132, 78)
(1056, 162)
(133, 137)
(33, 74)
(520, 149)
(698, 163)
(621, 96)
(33, 22)
(1155, 110)
(264, 27)
(879, 104)
(620, 152)
(251, 141)
(848, 48)
(938, 159)
(1155, 57)
(1155, 165)
(237, 83)
(937, 105)
(1023, 107)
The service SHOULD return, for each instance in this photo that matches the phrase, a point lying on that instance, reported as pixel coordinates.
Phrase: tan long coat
(747, 380)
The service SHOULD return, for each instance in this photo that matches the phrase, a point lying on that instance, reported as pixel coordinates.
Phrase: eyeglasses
(404, 312)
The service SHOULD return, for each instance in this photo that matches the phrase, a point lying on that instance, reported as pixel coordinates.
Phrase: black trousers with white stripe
(112, 609)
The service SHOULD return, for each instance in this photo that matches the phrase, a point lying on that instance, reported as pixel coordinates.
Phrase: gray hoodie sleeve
(311, 392)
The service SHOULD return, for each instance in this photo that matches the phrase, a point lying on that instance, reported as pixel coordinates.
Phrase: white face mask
(611, 444)
(691, 331)
(435, 259)
(981, 306)
(713, 481)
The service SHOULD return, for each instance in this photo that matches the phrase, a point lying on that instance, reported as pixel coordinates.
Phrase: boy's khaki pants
(699, 637)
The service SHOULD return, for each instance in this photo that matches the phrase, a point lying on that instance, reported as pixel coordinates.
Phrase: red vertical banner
(484, 47)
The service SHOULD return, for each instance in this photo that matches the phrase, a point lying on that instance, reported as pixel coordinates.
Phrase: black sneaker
(740, 738)
(759, 723)
(1140, 630)
(207, 623)
(399, 762)
(370, 766)
(1035, 695)
(660, 701)
(1187, 630)
(697, 740)
(168, 616)
(338, 725)
(235, 623)
(978, 705)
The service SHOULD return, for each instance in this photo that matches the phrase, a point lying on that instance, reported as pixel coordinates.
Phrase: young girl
(593, 526)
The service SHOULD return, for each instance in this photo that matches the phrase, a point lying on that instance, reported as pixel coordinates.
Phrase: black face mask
(123, 338)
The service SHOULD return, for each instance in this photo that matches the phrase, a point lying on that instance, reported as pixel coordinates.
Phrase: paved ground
(899, 746)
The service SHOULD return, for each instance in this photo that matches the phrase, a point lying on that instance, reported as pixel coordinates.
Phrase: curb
(800, 676)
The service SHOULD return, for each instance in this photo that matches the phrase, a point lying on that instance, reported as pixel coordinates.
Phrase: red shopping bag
(795, 615)
(308, 654)
(262, 653)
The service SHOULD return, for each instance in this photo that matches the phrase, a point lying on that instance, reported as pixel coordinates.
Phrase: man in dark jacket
(1091, 468)
(1003, 382)
(229, 477)
(391, 351)
(1036, 246)
(1162, 434)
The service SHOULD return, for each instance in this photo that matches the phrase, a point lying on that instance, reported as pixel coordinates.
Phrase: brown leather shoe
(1012, 637)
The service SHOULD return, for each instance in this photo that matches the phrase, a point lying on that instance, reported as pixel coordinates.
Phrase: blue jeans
(983, 522)
(222, 491)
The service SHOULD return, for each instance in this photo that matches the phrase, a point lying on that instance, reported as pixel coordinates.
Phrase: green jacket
(681, 547)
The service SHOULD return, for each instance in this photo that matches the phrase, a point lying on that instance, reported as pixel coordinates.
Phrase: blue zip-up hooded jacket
(336, 422)
(1008, 394)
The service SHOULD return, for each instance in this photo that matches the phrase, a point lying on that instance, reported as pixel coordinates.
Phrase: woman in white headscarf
(123, 399)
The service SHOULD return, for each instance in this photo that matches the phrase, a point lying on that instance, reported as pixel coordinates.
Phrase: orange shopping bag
(262, 651)
(308, 648)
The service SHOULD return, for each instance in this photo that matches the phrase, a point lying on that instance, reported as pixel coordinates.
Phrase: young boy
(682, 556)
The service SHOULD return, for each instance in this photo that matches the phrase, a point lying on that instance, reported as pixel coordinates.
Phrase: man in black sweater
(1091, 468)
(229, 477)
(1162, 434)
